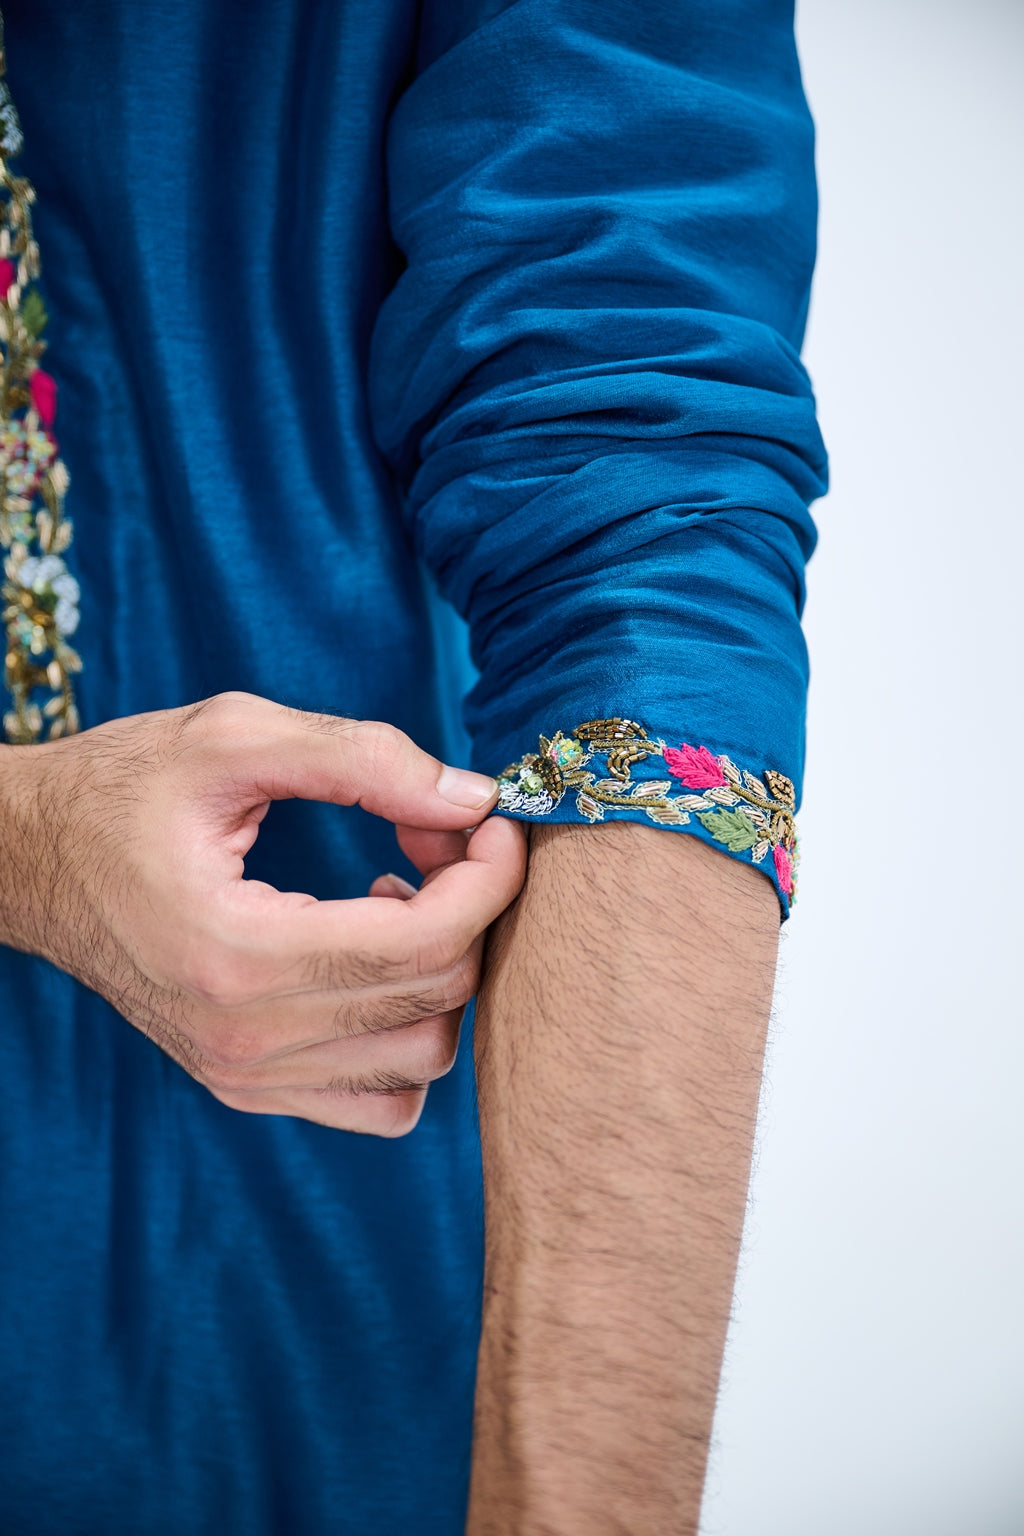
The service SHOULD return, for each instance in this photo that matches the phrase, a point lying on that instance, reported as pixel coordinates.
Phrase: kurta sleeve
(587, 382)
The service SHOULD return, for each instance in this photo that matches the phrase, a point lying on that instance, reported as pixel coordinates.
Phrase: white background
(874, 1377)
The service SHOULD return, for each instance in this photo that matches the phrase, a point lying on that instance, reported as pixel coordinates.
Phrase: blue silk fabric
(349, 303)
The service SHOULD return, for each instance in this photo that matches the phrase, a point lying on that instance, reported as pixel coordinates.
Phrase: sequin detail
(40, 595)
(748, 815)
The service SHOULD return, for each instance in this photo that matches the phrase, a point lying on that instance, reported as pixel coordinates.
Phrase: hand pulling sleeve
(587, 382)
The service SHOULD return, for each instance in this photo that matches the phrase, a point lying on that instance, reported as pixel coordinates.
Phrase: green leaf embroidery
(730, 812)
(732, 828)
(33, 313)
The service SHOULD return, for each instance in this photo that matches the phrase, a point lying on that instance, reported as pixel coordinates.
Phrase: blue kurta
(348, 302)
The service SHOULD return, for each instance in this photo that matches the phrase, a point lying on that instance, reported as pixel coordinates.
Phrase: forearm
(620, 1036)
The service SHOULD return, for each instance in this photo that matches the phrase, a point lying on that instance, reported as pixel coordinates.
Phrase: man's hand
(619, 1037)
(121, 860)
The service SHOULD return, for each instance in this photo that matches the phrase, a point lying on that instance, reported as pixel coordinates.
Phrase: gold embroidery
(40, 595)
(744, 813)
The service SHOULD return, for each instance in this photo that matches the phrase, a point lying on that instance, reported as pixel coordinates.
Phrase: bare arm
(620, 1038)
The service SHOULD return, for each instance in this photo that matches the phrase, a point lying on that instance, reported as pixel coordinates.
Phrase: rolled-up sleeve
(587, 382)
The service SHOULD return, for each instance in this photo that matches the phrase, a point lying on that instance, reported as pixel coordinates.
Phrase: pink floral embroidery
(43, 390)
(744, 813)
(694, 766)
(8, 276)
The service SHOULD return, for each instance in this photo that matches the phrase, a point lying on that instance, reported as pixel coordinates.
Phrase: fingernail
(399, 886)
(471, 790)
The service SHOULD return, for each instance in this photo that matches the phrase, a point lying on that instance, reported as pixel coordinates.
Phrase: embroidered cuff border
(746, 814)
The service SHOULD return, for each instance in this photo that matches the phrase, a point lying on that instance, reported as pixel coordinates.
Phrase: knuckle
(217, 977)
(230, 1055)
(421, 1052)
(436, 1047)
(378, 737)
(217, 1076)
(211, 982)
(439, 954)
(385, 753)
(221, 713)
(394, 1114)
(227, 1058)
(234, 702)
(460, 983)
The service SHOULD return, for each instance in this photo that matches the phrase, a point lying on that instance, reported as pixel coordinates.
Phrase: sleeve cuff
(618, 770)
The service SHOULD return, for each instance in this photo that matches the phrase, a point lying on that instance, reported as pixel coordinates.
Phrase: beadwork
(40, 595)
(744, 813)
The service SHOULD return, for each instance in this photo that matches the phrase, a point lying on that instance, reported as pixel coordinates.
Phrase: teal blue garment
(348, 301)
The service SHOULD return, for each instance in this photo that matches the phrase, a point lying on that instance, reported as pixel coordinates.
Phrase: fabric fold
(587, 378)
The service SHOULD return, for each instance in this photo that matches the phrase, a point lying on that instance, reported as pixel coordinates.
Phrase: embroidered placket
(40, 595)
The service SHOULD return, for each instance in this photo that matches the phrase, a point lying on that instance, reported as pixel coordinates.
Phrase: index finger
(282, 754)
